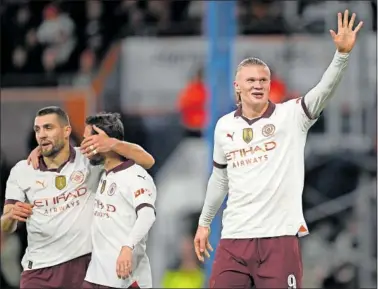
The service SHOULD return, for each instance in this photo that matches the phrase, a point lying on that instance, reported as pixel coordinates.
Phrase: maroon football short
(89, 285)
(264, 262)
(67, 275)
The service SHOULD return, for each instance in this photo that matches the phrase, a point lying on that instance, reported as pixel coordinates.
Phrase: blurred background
(159, 63)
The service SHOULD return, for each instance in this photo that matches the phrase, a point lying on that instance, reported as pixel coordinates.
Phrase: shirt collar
(71, 159)
(122, 166)
(267, 113)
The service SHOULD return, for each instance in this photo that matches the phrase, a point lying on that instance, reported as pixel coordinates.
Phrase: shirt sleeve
(143, 224)
(143, 191)
(310, 106)
(219, 157)
(13, 192)
(217, 190)
(143, 197)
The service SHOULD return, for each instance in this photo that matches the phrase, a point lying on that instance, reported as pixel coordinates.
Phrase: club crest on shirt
(247, 134)
(112, 189)
(77, 177)
(60, 182)
(103, 185)
(268, 130)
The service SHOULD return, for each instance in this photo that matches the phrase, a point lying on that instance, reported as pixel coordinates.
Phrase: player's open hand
(33, 158)
(97, 143)
(201, 243)
(345, 38)
(124, 263)
(21, 211)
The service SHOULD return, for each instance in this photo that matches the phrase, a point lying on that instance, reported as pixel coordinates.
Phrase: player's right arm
(217, 190)
(15, 208)
(217, 187)
(143, 199)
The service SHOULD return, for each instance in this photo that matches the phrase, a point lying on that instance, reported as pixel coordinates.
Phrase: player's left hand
(345, 38)
(97, 143)
(124, 262)
(201, 243)
(33, 158)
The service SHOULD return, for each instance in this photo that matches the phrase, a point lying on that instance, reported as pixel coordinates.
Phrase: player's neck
(254, 111)
(59, 159)
(112, 162)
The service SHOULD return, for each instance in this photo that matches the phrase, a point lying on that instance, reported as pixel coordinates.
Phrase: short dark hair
(62, 115)
(109, 122)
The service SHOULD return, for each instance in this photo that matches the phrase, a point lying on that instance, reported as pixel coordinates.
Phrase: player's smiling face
(253, 84)
(51, 135)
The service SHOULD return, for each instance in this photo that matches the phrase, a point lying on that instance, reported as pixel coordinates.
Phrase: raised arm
(317, 98)
(100, 143)
(134, 152)
(345, 38)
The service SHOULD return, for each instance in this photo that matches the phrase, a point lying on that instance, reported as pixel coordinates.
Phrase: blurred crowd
(65, 37)
(46, 41)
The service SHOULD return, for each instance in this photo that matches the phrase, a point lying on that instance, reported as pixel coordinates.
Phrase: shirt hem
(261, 235)
(108, 284)
(42, 266)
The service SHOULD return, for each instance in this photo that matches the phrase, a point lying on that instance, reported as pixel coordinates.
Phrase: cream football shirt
(264, 158)
(63, 199)
(122, 192)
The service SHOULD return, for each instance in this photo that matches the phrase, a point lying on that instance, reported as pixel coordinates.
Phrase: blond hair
(247, 62)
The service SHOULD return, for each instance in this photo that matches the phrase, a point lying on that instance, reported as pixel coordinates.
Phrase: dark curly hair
(109, 122)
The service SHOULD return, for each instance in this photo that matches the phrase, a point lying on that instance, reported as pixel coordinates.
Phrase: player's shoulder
(290, 103)
(226, 120)
(81, 159)
(136, 175)
(22, 166)
(79, 155)
(78, 151)
(136, 171)
(288, 108)
(133, 171)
